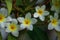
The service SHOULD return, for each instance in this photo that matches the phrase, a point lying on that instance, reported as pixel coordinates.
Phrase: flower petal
(8, 19)
(34, 20)
(53, 8)
(51, 17)
(46, 13)
(57, 28)
(36, 15)
(40, 1)
(28, 16)
(50, 27)
(30, 27)
(20, 19)
(16, 33)
(7, 30)
(7, 27)
(4, 34)
(7, 24)
(43, 7)
(22, 26)
(4, 11)
(56, 15)
(2, 25)
(14, 21)
(42, 18)
(37, 8)
(59, 21)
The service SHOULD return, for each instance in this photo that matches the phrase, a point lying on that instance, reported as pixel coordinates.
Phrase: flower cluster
(11, 24)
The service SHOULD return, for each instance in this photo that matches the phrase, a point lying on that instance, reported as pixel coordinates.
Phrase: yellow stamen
(12, 27)
(27, 22)
(54, 22)
(2, 17)
(40, 12)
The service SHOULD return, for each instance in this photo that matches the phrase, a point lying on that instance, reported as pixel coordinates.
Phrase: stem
(58, 34)
(23, 35)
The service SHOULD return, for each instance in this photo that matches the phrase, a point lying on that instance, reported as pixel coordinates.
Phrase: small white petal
(16, 33)
(8, 19)
(40, 1)
(2, 25)
(22, 26)
(14, 21)
(50, 27)
(34, 20)
(53, 8)
(51, 17)
(59, 21)
(57, 28)
(7, 30)
(28, 16)
(42, 18)
(46, 13)
(20, 19)
(4, 34)
(43, 7)
(37, 8)
(4, 11)
(36, 15)
(7, 24)
(30, 27)
(7, 27)
(56, 15)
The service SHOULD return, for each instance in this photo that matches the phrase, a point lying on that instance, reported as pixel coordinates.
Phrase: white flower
(3, 15)
(41, 13)
(13, 28)
(55, 23)
(55, 5)
(27, 22)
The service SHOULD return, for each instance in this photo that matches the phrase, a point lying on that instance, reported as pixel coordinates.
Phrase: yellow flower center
(2, 17)
(27, 22)
(54, 22)
(40, 12)
(12, 27)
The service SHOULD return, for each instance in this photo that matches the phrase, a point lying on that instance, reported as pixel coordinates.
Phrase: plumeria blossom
(27, 22)
(12, 27)
(3, 15)
(55, 5)
(41, 13)
(55, 23)
(4, 19)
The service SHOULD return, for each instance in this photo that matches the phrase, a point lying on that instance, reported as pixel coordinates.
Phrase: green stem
(58, 34)
(23, 35)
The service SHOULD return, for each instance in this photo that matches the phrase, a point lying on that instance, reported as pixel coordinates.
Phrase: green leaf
(10, 37)
(18, 2)
(9, 5)
(38, 34)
